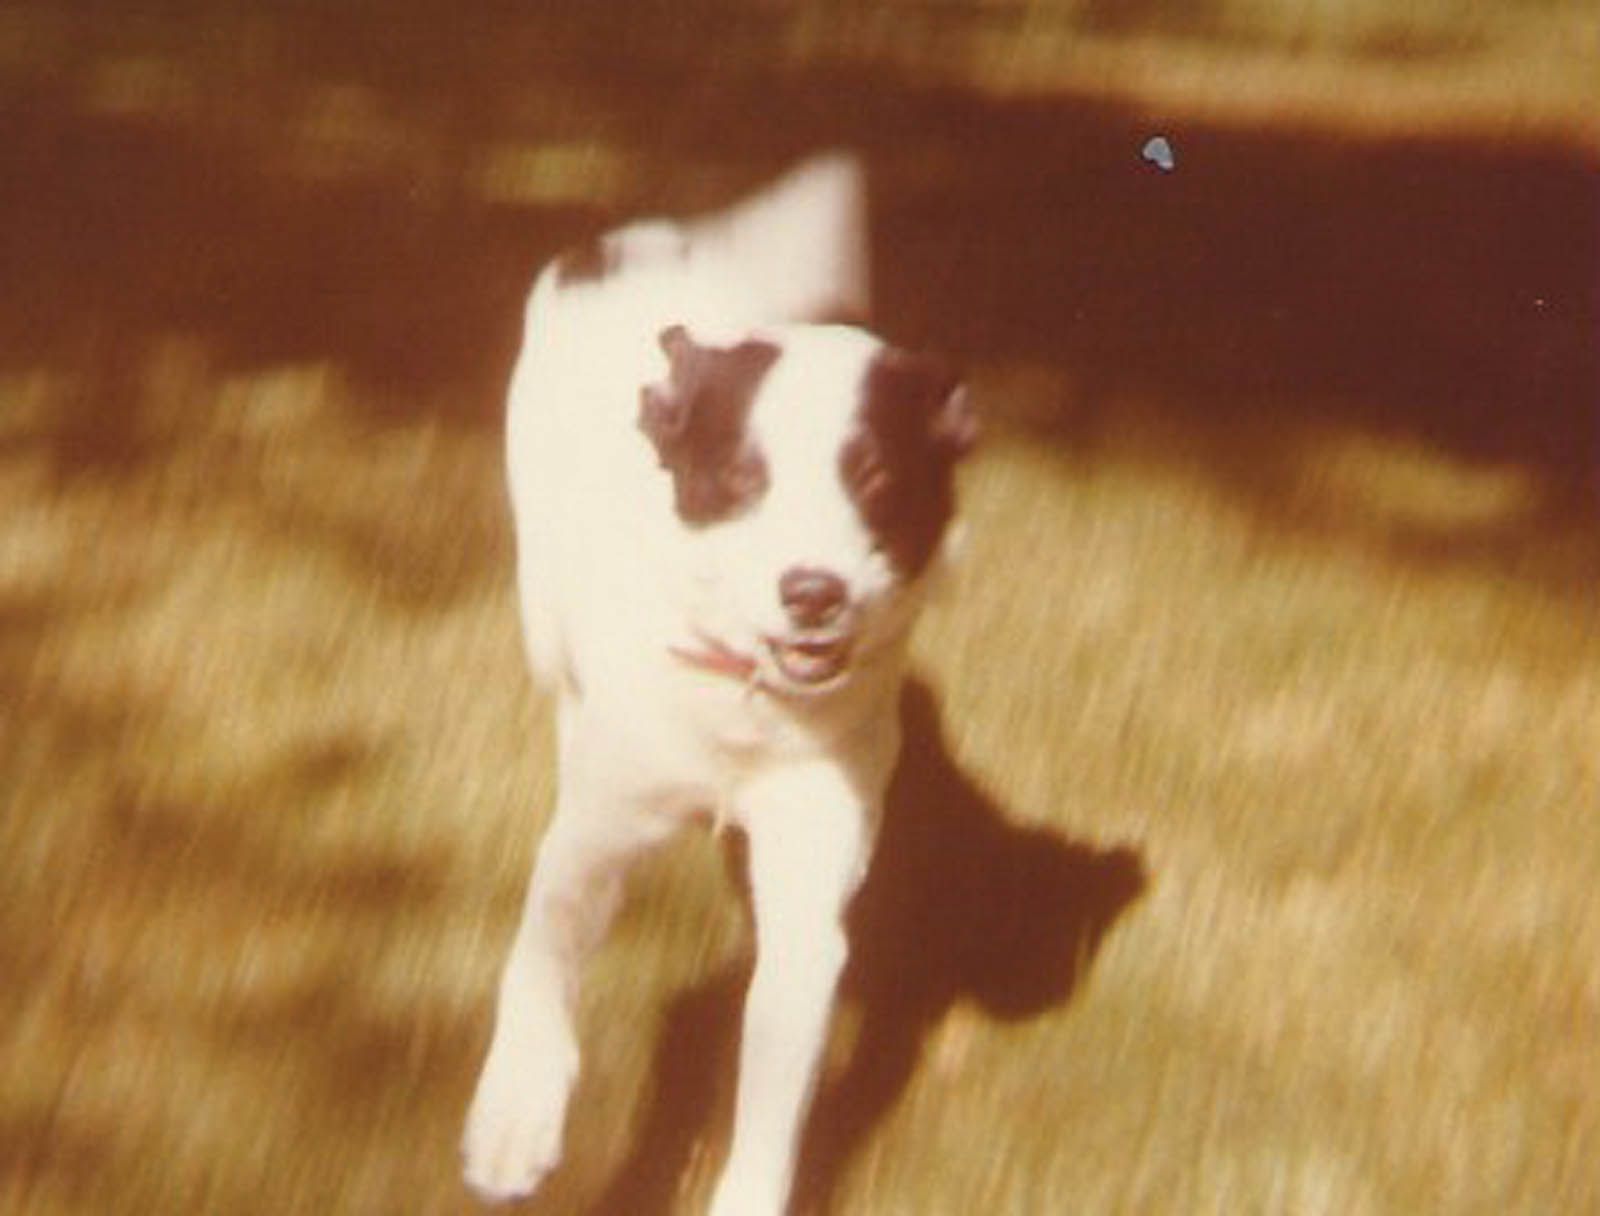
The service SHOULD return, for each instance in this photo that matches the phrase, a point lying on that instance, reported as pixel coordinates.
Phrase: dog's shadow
(961, 905)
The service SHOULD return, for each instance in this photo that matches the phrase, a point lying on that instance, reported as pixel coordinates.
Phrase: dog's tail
(798, 246)
(795, 250)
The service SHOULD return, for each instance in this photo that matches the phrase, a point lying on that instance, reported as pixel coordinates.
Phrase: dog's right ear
(920, 399)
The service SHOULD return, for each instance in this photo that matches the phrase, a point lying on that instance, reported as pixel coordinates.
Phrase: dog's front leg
(809, 841)
(514, 1128)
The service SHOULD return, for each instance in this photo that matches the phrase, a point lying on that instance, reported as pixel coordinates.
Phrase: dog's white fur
(664, 644)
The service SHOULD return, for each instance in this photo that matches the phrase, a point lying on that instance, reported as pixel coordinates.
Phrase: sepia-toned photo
(799, 608)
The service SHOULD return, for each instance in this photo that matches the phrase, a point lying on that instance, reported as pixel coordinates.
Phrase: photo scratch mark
(1158, 151)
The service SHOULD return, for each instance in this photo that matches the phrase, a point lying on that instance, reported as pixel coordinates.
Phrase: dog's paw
(508, 1148)
(513, 1134)
(740, 1195)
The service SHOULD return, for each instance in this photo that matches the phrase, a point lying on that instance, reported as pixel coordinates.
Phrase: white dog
(726, 510)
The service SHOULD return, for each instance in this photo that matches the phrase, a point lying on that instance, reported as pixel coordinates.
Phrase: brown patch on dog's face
(698, 422)
(915, 424)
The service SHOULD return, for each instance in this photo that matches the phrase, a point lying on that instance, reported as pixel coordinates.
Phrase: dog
(730, 500)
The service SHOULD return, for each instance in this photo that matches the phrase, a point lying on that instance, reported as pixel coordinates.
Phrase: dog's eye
(745, 477)
(865, 473)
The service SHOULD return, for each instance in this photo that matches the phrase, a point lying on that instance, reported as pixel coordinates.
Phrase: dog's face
(812, 469)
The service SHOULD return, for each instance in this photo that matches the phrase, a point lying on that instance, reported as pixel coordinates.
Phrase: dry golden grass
(271, 803)
(1246, 857)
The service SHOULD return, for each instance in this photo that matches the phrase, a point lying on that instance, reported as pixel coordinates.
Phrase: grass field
(1246, 859)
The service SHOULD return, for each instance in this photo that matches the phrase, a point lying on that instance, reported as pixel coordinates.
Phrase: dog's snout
(812, 597)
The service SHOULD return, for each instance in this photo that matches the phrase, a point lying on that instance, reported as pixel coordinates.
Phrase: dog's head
(812, 468)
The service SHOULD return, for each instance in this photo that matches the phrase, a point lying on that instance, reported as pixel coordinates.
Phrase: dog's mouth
(808, 663)
(811, 661)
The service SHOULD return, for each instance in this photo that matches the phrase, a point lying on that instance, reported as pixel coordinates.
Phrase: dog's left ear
(664, 408)
(921, 397)
(706, 396)
(696, 419)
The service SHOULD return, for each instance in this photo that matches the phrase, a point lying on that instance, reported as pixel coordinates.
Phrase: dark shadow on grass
(1443, 287)
(961, 906)
(129, 233)
(1446, 287)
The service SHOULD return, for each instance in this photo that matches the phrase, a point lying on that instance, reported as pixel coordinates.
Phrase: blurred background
(1259, 737)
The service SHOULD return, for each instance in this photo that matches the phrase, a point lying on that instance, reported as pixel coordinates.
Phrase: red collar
(711, 655)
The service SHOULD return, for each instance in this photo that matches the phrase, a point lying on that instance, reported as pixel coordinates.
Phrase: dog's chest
(737, 726)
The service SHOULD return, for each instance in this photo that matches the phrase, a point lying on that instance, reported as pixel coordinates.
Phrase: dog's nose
(810, 596)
